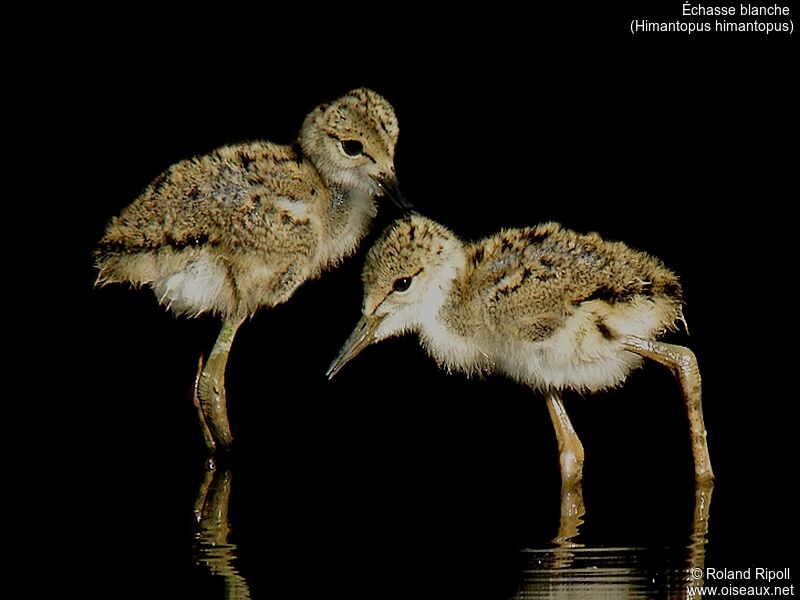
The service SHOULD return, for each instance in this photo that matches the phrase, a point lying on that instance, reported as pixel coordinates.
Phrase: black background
(396, 476)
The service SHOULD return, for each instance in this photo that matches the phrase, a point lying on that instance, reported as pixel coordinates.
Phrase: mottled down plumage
(554, 272)
(226, 232)
(549, 307)
(545, 305)
(244, 225)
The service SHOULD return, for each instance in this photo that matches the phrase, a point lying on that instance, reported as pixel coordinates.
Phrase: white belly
(576, 356)
(194, 289)
(579, 356)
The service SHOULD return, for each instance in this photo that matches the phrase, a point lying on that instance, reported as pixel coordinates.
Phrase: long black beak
(391, 188)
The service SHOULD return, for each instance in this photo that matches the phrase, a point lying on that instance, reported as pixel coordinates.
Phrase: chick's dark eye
(402, 284)
(352, 147)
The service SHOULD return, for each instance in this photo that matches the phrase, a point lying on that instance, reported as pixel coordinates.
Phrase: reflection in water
(572, 511)
(599, 573)
(697, 546)
(212, 549)
(572, 570)
(565, 569)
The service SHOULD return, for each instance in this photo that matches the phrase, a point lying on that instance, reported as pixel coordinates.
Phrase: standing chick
(243, 226)
(548, 307)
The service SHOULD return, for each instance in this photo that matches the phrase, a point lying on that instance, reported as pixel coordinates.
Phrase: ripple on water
(603, 573)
